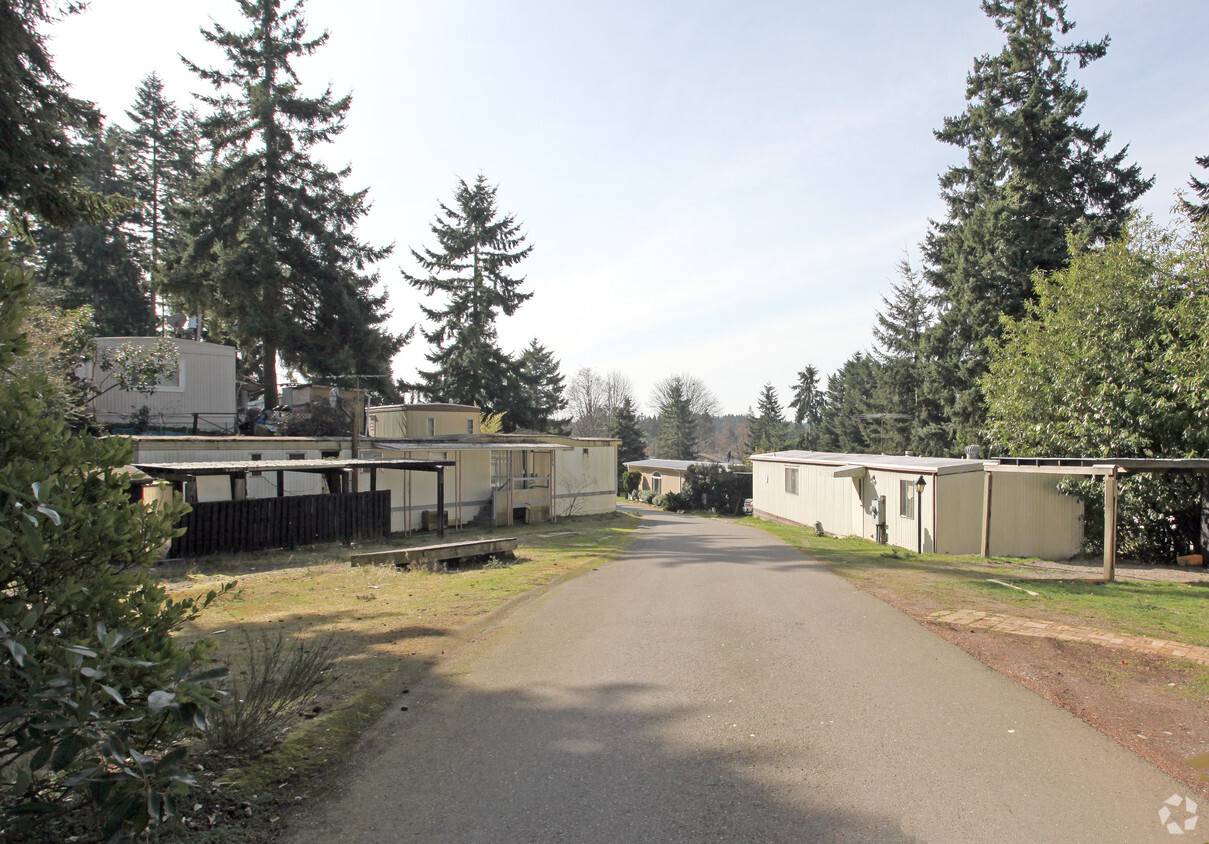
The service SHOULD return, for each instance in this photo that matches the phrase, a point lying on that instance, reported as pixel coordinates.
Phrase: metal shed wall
(1030, 518)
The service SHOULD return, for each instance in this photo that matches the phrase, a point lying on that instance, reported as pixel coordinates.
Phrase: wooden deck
(439, 556)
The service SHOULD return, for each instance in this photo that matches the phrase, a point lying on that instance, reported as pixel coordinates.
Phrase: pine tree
(273, 254)
(767, 430)
(40, 160)
(541, 395)
(1033, 172)
(807, 406)
(159, 157)
(92, 263)
(1198, 211)
(677, 424)
(845, 426)
(476, 249)
(902, 322)
(625, 428)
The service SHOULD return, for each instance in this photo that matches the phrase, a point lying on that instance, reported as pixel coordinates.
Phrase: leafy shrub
(713, 487)
(280, 676)
(646, 496)
(672, 501)
(630, 481)
(96, 692)
(322, 421)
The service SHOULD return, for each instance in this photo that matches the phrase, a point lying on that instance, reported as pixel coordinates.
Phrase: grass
(1175, 611)
(387, 625)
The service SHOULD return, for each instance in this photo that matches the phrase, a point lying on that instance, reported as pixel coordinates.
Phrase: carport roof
(851, 464)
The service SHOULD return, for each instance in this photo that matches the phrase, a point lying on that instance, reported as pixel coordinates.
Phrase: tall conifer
(273, 252)
(1033, 171)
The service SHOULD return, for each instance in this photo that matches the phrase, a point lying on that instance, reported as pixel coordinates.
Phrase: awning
(850, 471)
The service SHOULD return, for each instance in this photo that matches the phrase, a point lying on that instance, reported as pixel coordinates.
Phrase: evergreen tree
(845, 425)
(1198, 211)
(159, 157)
(541, 395)
(807, 406)
(92, 263)
(767, 430)
(902, 322)
(677, 424)
(273, 253)
(476, 249)
(625, 428)
(1033, 171)
(40, 122)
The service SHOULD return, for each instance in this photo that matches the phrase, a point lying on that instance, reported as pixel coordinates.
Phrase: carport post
(986, 512)
(441, 501)
(1110, 524)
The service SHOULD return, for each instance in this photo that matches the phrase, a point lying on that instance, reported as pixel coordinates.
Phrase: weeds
(280, 675)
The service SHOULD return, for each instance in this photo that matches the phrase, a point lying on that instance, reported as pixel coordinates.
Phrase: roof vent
(973, 452)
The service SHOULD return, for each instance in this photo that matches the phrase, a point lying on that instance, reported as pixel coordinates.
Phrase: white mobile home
(200, 395)
(929, 504)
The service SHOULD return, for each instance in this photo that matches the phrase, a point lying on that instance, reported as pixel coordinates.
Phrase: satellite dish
(178, 320)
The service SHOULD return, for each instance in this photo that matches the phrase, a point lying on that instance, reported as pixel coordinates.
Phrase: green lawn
(1166, 610)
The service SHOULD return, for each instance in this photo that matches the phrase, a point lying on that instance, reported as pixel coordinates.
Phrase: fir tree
(845, 424)
(1032, 173)
(807, 406)
(92, 263)
(469, 268)
(273, 253)
(1198, 211)
(677, 424)
(541, 395)
(902, 322)
(159, 157)
(625, 428)
(767, 430)
(40, 159)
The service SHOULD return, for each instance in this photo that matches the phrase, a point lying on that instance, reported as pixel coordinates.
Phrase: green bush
(712, 487)
(646, 496)
(672, 501)
(630, 481)
(95, 692)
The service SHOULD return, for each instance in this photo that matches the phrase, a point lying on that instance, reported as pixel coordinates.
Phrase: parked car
(747, 509)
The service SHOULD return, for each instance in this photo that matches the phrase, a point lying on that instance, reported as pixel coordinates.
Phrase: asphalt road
(715, 685)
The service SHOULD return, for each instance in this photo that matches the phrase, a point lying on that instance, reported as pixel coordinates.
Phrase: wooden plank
(986, 514)
(446, 552)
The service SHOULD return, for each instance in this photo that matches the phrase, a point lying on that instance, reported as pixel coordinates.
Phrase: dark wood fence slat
(260, 523)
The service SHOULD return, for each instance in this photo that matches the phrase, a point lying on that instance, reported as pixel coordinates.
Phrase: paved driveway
(714, 685)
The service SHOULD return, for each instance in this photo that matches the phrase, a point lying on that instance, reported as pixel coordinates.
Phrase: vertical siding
(1030, 518)
(959, 513)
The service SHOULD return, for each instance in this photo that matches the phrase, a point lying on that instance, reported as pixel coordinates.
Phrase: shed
(875, 496)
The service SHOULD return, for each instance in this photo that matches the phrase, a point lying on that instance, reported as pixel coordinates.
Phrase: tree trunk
(268, 376)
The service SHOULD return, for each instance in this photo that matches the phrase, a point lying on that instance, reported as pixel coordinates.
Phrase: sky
(711, 188)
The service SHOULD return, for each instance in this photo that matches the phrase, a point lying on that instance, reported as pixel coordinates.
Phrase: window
(256, 456)
(430, 427)
(656, 482)
(791, 481)
(906, 499)
(296, 455)
(470, 426)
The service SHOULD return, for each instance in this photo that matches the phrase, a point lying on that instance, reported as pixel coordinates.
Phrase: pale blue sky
(716, 188)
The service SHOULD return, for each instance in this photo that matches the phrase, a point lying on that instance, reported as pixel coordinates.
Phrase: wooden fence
(256, 524)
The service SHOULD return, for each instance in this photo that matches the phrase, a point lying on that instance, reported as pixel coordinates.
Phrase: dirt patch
(1157, 707)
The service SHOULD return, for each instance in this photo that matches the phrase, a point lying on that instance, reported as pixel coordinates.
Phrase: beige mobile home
(929, 504)
(200, 395)
(662, 476)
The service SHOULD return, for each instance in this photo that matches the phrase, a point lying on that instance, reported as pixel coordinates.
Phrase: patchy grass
(1176, 611)
(389, 626)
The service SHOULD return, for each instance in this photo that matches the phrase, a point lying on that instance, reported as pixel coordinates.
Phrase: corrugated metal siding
(959, 513)
(1030, 518)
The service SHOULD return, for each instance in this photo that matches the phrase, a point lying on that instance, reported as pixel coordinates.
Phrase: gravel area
(1124, 571)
